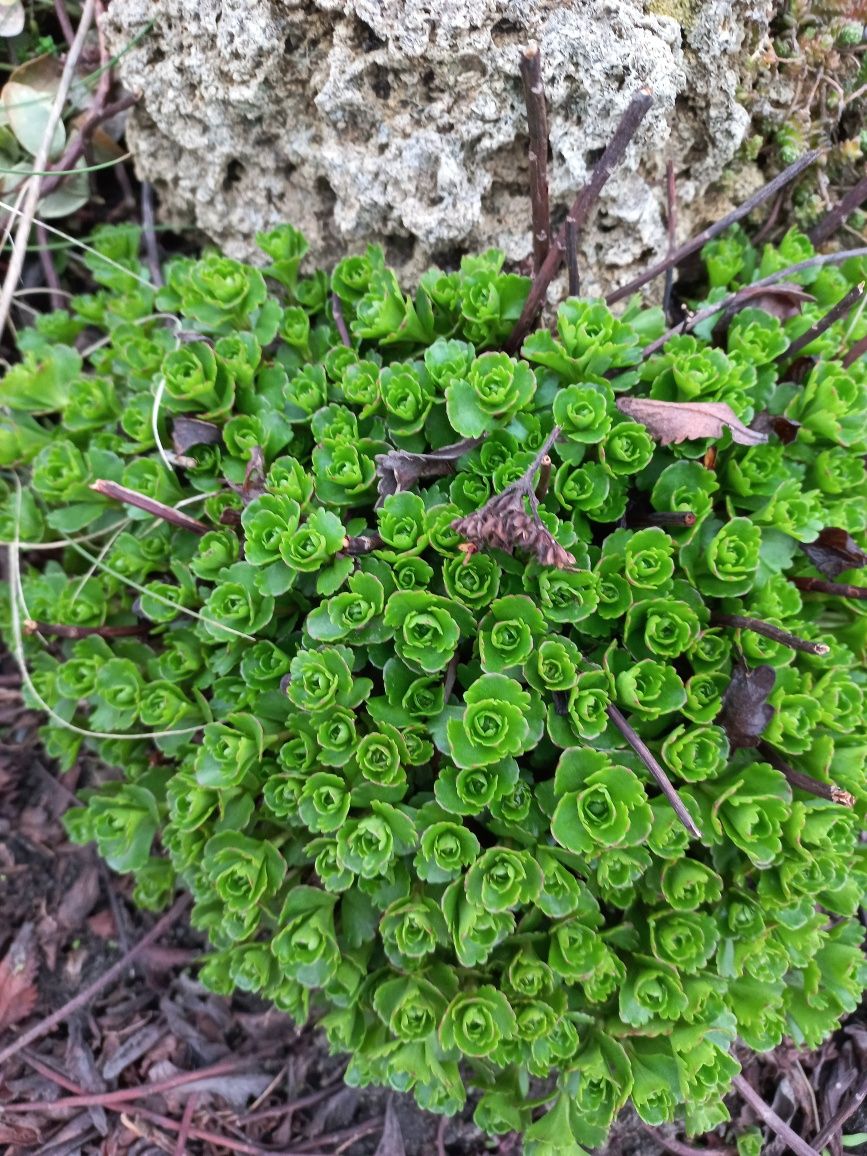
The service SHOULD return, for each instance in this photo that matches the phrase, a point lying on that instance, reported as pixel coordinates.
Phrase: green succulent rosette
(402, 698)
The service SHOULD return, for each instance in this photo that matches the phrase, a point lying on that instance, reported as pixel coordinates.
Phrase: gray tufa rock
(402, 121)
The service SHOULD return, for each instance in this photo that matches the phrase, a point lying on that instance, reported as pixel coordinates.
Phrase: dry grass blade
(119, 493)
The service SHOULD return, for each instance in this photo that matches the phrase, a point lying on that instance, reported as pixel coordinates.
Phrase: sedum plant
(484, 704)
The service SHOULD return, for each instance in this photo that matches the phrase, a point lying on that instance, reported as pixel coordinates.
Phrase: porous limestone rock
(403, 122)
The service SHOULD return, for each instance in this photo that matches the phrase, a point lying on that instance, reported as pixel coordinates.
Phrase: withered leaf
(746, 711)
(785, 429)
(678, 421)
(18, 1136)
(503, 524)
(834, 552)
(399, 470)
(192, 431)
(253, 485)
(782, 301)
(17, 973)
(391, 1142)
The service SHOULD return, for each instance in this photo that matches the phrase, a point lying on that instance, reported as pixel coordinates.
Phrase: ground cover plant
(497, 710)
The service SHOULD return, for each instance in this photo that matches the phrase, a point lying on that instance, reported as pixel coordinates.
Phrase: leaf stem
(673, 259)
(857, 350)
(121, 493)
(662, 780)
(741, 622)
(804, 782)
(537, 156)
(580, 211)
(822, 586)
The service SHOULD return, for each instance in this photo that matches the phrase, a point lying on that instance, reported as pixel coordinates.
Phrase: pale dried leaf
(400, 470)
(133, 1049)
(17, 973)
(678, 421)
(11, 17)
(28, 96)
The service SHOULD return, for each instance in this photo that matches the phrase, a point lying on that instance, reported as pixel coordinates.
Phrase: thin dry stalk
(633, 116)
(672, 260)
(537, 127)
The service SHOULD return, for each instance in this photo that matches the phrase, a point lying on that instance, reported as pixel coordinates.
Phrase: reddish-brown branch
(148, 224)
(362, 544)
(770, 1118)
(291, 1106)
(672, 260)
(580, 211)
(186, 1125)
(84, 997)
(64, 21)
(537, 156)
(76, 148)
(340, 320)
(823, 586)
(572, 257)
(60, 630)
(441, 1135)
(835, 217)
(829, 791)
(824, 323)
(671, 229)
(741, 622)
(857, 350)
(215, 1138)
(662, 780)
(49, 271)
(119, 493)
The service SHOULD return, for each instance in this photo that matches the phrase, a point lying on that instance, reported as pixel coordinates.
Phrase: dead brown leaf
(192, 431)
(391, 1142)
(17, 973)
(678, 421)
(18, 1136)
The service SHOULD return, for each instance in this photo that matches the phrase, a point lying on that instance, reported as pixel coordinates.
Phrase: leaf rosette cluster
(385, 760)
